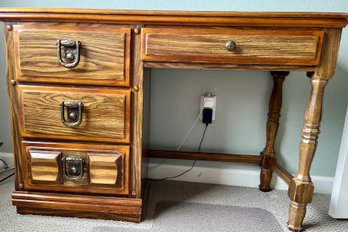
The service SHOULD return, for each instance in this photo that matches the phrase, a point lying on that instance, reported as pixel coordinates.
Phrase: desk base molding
(78, 205)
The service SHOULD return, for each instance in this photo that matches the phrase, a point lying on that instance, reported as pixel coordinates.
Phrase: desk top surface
(284, 19)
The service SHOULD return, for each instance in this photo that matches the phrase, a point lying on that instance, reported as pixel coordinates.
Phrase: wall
(241, 96)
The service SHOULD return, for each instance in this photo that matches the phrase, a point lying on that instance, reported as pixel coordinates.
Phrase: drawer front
(104, 54)
(76, 167)
(281, 47)
(55, 112)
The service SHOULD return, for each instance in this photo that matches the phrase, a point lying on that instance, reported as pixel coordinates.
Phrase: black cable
(200, 144)
(6, 168)
(4, 162)
(193, 164)
(2, 180)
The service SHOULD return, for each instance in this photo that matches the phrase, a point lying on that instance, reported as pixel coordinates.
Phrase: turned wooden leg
(268, 153)
(301, 188)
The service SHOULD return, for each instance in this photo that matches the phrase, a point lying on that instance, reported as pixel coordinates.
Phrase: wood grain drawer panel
(104, 54)
(105, 167)
(44, 166)
(105, 113)
(272, 47)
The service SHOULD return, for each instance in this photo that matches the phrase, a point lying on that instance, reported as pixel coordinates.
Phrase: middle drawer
(91, 114)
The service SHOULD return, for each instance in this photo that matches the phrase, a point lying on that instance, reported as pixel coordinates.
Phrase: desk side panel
(14, 109)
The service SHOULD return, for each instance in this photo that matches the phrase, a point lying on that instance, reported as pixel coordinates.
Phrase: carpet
(172, 216)
(169, 203)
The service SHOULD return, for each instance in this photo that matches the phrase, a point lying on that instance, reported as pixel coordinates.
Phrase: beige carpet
(178, 216)
(185, 196)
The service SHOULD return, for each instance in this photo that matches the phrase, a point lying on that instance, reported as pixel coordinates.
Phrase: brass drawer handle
(74, 113)
(74, 171)
(231, 45)
(71, 53)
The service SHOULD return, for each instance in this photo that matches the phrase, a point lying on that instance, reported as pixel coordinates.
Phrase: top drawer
(232, 46)
(104, 54)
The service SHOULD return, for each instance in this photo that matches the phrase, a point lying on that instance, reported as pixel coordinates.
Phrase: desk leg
(301, 187)
(268, 153)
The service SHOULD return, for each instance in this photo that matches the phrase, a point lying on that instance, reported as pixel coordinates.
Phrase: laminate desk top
(258, 19)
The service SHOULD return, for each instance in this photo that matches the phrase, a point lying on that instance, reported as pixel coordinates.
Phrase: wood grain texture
(86, 206)
(146, 129)
(269, 41)
(14, 109)
(277, 47)
(45, 166)
(255, 19)
(137, 117)
(79, 214)
(104, 54)
(281, 172)
(327, 66)
(105, 168)
(106, 113)
(301, 187)
(84, 151)
(269, 154)
(219, 66)
(252, 159)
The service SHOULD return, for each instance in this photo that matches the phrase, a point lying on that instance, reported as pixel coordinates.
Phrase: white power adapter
(208, 102)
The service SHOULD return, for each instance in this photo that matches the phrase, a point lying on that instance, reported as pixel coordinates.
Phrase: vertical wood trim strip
(12, 92)
(137, 110)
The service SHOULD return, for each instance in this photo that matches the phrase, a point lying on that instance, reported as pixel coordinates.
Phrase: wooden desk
(76, 84)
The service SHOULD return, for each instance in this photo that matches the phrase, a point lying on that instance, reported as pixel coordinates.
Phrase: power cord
(193, 164)
(2, 180)
(6, 169)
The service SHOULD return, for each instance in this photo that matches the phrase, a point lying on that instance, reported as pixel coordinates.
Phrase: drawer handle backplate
(71, 53)
(72, 167)
(73, 116)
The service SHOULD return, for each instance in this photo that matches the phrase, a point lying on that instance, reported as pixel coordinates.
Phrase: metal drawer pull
(71, 53)
(74, 171)
(74, 113)
(231, 45)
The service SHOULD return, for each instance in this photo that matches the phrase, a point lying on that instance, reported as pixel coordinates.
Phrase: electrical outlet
(208, 101)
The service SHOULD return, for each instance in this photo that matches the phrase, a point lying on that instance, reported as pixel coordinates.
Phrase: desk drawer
(74, 113)
(74, 167)
(280, 47)
(104, 54)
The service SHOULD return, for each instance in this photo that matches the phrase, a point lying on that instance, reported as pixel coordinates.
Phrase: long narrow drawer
(103, 54)
(74, 167)
(91, 114)
(233, 46)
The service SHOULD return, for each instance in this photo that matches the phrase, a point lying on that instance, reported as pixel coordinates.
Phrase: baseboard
(233, 175)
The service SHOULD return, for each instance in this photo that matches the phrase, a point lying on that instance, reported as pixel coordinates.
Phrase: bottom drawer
(74, 167)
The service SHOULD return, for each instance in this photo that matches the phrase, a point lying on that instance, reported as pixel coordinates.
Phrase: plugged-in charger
(208, 106)
(207, 115)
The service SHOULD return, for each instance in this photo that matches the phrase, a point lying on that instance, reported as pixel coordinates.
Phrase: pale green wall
(241, 96)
